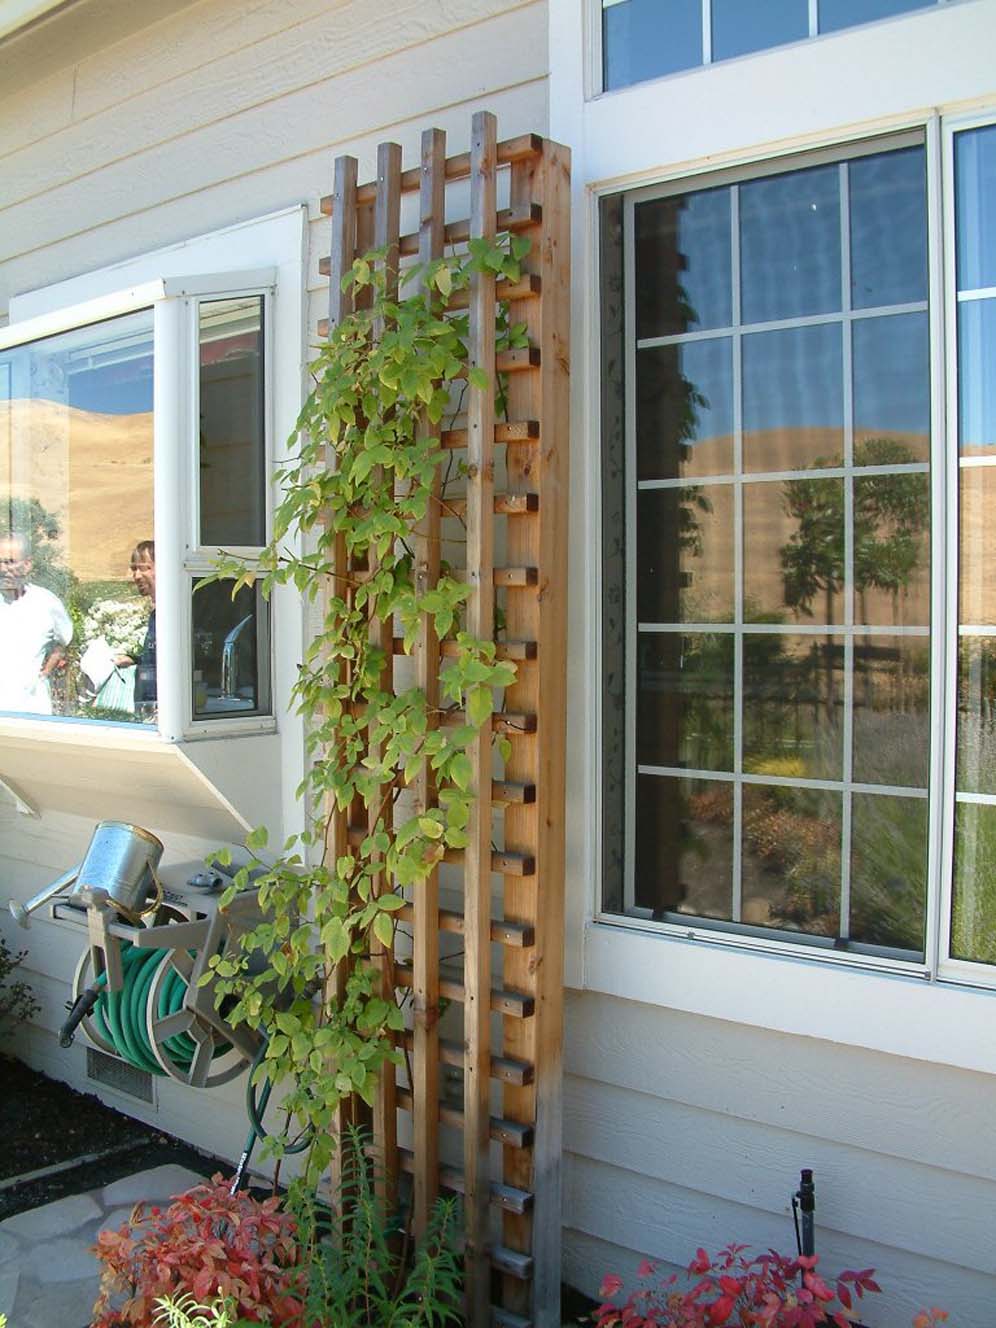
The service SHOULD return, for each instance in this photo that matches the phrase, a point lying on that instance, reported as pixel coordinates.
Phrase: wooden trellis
(511, 1109)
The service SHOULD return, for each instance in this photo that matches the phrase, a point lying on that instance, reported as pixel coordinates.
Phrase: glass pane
(891, 390)
(892, 710)
(738, 28)
(836, 14)
(790, 245)
(75, 501)
(977, 546)
(684, 263)
(684, 423)
(892, 550)
(888, 195)
(684, 711)
(793, 398)
(976, 381)
(231, 652)
(976, 741)
(647, 38)
(973, 910)
(793, 706)
(685, 554)
(791, 859)
(233, 435)
(684, 846)
(888, 870)
(975, 207)
(794, 551)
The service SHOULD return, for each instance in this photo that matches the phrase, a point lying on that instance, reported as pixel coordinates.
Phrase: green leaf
(461, 771)
(444, 281)
(478, 378)
(383, 929)
(480, 705)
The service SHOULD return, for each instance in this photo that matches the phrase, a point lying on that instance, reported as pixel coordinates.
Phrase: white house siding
(118, 138)
(683, 1131)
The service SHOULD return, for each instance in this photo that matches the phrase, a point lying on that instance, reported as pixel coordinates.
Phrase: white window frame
(742, 113)
(261, 257)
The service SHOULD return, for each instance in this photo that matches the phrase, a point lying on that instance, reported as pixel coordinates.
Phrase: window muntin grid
(973, 897)
(725, 638)
(647, 39)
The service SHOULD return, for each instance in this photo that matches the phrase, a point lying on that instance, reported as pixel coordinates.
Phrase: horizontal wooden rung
(457, 168)
(501, 1318)
(512, 1262)
(503, 790)
(516, 1004)
(503, 650)
(514, 361)
(516, 576)
(517, 934)
(507, 1197)
(518, 431)
(513, 219)
(508, 1132)
(505, 722)
(506, 504)
(528, 287)
(506, 1069)
(502, 864)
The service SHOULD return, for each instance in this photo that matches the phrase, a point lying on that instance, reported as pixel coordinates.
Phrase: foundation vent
(119, 1075)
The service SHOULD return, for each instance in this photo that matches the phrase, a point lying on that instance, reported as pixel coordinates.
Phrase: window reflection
(738, 29)
(685, 701)
(793, 398)
(683, 248)
(685, 554)
(888, 871)
(976, 382)
(973, 913)
(232, 433)
(647, 38)
(684, 846)
(791, 859)
(976, 736)
(888, 196)
(685, 410)
(975, 190)
(891, 389)
(891, 710)
(835, 14)
(793, 706)
(794, 550)
(977, 546)
(75, 498)
(790, 244)
(231, 652)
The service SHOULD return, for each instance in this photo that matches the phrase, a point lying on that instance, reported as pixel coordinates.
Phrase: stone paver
(48, 1278)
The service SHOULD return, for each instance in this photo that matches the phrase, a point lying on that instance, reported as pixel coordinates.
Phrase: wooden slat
(515, 361)
(387, 228)
(456, 168)
(512, 1263)
(502, 1000)
(506, 1319)
(477, 997)
(508, 723)
(503, 1068)
(451, 1178)
(340, 306)
(516, 576)
(502, 1131)
(503, 790)
(504, 649)
(503, 862)
(502, 933)
(515, 431)
(425, 941)
(506, 504)
(540, 541)
(528, 288)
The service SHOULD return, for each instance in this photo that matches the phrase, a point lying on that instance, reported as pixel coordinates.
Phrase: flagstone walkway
(48, 1277)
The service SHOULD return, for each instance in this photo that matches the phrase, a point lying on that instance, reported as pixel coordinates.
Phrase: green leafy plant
(208, 1241)
(361, 1272)
(17, 1001)
(185, 1311)
(359, 488)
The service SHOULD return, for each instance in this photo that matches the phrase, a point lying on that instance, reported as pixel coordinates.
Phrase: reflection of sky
(738, 28)
(119, 389)
(888, 207)
(976, 380)
(709, 366)
(790, 245)
(892, 373)
(975, 189)
(792, 378)
(648, 38)
(834, 14)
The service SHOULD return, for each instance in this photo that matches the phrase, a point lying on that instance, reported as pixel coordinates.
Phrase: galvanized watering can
(121, 860)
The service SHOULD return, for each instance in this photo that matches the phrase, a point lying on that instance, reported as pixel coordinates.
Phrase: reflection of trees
(41, 530)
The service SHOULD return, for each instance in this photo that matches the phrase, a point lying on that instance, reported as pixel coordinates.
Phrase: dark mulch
(43, 1121)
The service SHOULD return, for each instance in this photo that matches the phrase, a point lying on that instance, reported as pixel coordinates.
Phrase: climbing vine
(363, 477)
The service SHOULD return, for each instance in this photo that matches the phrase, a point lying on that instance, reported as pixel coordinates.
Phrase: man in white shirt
(34, 631)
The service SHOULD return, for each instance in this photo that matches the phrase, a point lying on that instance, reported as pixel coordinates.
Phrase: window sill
(898, 1013)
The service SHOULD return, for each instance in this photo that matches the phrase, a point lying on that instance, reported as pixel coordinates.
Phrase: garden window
(782, 706)
(132, 447)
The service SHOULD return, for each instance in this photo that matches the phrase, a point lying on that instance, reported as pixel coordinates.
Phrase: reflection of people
(34, 631)
(143, 576)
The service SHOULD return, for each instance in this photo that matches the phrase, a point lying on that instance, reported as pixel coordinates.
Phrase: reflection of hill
(708, 568)
(93, 472)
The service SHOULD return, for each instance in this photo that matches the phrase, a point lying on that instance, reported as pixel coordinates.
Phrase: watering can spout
(21, 913)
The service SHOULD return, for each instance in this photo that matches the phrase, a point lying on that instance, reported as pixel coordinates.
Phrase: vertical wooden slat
(340, 306)
(480, 622)
(540, 540)
(387, 230)
(425, 1050)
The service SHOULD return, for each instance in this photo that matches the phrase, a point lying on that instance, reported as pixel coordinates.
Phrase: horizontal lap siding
(195, 147)
(683, 1131)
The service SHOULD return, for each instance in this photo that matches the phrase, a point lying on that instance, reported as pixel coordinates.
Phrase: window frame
(736, 113)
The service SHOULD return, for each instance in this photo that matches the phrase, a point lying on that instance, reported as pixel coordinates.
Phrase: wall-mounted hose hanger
(137, 990)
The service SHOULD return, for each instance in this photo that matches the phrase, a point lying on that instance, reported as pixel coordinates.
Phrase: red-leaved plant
(767, 1291)
(207, 1243)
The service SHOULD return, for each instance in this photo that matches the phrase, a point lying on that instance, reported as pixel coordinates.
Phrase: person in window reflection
(142, 567)
(34, 632)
